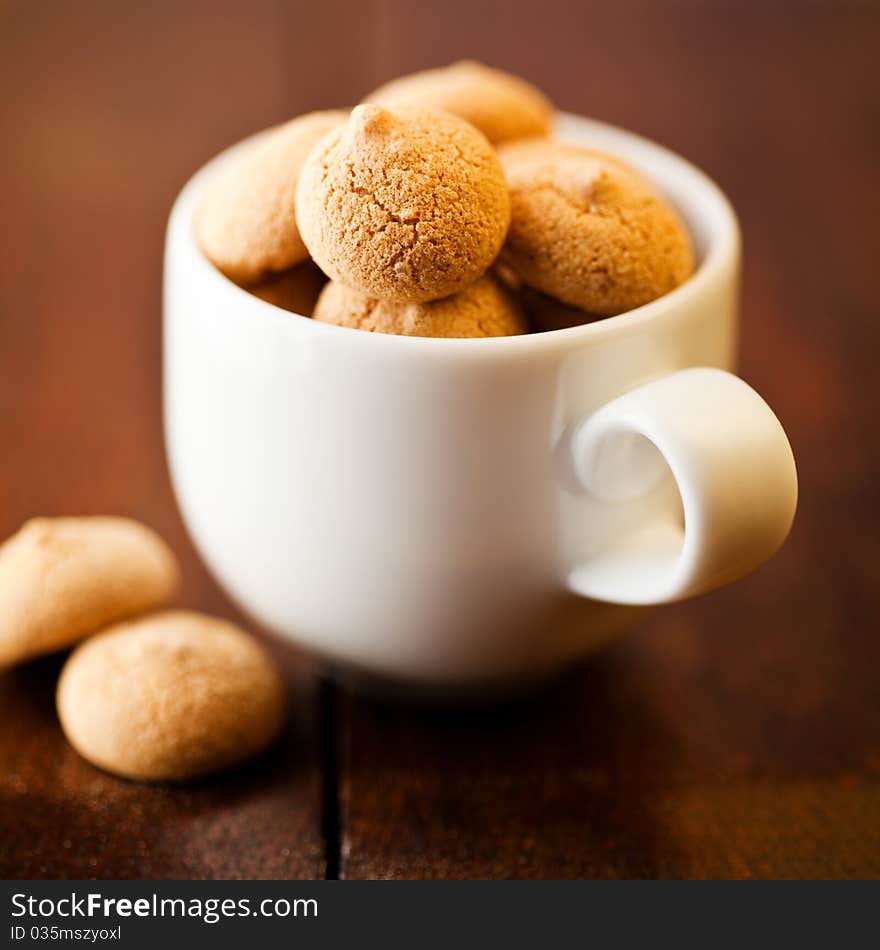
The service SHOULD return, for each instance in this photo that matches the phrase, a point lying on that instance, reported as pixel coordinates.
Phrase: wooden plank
(736, 735)
(107, 110)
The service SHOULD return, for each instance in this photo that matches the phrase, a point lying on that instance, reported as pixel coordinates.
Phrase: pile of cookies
(440, 207)
(164, 695)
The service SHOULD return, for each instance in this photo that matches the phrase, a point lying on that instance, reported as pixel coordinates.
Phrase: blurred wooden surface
(737, 735)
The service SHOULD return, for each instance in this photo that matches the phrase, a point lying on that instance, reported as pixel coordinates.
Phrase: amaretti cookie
(295, 289)
(170, 696)
(480, 310)
(63, 578)
(501, 106)
(405, 206)
(588, 230)
(546, 313)
(245, 223)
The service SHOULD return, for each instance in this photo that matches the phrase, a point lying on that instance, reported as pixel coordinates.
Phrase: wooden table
(737, 735)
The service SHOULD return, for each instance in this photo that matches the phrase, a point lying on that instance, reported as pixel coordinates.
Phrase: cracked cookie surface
(408, 206)
(501, 106)
(590, 231)
(482, 309)
(246, 223)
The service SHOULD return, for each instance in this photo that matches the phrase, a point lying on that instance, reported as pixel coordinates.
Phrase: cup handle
(735, 474)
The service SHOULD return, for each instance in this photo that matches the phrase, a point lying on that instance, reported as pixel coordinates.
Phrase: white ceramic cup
(456, 511)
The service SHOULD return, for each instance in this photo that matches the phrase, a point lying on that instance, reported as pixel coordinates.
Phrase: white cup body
(401, 505)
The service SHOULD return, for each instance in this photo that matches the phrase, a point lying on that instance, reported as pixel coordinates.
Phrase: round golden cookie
(546, 313)
(245, 222)
(63, 578)
(171, 696)
(295, 289)
(588, 230)
(403, 206)
(501, 106)
(480, 310)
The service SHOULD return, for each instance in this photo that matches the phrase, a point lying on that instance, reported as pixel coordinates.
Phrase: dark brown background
(737, 735)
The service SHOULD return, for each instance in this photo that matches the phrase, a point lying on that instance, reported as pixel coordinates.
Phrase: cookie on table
(170, 696)
(405, 206)
(245, 222)
(63, 578)
(501, 106)
(588, 230)
(482, 309)
(295, 289)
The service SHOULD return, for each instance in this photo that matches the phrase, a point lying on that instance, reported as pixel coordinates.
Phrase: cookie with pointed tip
(169, 697)
(245, 222)
(403, 206)
(482, 309)
(501, 106)
(63, 578)
(589, 230)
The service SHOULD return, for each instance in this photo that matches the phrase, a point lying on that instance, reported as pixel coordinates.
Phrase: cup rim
(645, 154)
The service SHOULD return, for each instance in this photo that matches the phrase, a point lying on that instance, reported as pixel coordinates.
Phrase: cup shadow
(556, 784)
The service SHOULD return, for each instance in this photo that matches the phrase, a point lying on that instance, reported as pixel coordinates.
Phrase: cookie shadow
(62, 818)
